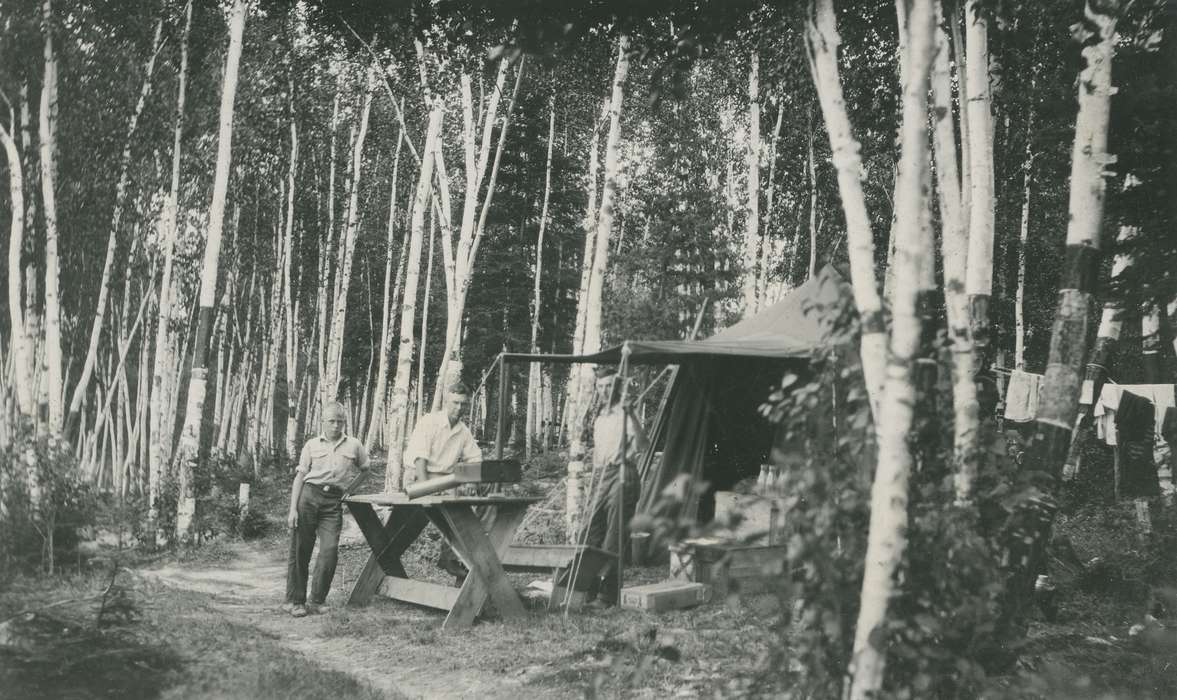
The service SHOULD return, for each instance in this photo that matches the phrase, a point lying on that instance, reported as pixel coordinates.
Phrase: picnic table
(480, 542)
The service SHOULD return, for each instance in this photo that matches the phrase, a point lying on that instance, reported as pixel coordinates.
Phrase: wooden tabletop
(399, 498)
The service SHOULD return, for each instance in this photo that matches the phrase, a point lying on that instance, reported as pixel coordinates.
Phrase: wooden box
(729, 569)
(759, 517)
(667, 595)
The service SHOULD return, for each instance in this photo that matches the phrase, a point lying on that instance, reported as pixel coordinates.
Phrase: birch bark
(534, 392)
(979, 276)
(752, 214)
(198, 378)
(887, 537)
(822, 41)
(47, 129)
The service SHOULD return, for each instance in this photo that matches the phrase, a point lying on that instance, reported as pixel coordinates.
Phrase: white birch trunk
(955, 251)
(979, 276)
(388, 314)
(822, 40)
(21, 352)
(887, 538)
(48, 141)
(752, 220)
(398, 410)
(534, 393)
(347, 248)
(592, 326)
(194, 412)
(112, 238)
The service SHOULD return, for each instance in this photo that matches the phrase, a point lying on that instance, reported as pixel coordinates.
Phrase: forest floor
(207, 623)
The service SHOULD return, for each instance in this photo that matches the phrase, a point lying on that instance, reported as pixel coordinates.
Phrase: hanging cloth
(1021, 398)
(1135, 430)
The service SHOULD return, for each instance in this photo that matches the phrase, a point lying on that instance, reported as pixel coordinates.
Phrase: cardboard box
(667, 595)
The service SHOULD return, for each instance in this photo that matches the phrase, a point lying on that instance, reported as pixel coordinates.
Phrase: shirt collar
(337, 443)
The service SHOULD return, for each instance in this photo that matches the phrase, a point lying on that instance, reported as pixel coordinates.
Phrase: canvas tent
(710, 427)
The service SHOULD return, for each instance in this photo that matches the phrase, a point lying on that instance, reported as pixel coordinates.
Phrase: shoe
(298, 611)
(318, 608)
(287, 607)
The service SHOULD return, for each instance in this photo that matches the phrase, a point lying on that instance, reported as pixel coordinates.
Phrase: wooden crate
(728, 569)
(759, 516)
(667, 595)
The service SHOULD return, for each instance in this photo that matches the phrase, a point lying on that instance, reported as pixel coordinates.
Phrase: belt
(327, 489)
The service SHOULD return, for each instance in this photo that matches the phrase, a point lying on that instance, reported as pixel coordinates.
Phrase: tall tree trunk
(586, 269)
(325, 247)
(189, 450)
(768, 250)
(887, 538)
(979, 276)
(388, 314)
(398, 410)
(120, 194)
(290, 294)
(596, 288)
(752, 220)
(1023, 239)
(47, 133)
(1059, 395)
(812, 171)
(21, 347)
(954, 243)
(347, 248)
(425, 300)
(165, 362)
(534, 395)
(822, 41)
(467, 251)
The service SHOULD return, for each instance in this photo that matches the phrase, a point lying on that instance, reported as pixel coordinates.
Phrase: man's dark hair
(458, 388)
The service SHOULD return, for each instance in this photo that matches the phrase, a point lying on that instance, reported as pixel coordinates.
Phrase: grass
(170, 644)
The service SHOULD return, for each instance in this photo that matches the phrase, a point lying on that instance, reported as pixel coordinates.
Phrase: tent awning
(794, 327)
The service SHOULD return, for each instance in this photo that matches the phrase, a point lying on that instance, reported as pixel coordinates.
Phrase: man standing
(329, 467)
(439, 441)
(617, 436)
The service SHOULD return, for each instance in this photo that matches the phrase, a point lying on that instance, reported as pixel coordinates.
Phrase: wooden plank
(395, 498)
(480, 551)
(387, 542)
(430, 595)
(545, 556)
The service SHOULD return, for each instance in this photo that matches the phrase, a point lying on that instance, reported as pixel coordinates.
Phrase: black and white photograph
(563, 349)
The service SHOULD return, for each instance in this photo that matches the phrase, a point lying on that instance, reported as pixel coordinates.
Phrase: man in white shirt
(617, 436)
(329, 466)
(439, 441)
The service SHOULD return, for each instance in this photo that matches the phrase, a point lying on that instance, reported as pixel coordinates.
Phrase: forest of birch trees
(222, 215)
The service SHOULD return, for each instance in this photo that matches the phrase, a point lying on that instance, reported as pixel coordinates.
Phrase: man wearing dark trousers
(330, 465)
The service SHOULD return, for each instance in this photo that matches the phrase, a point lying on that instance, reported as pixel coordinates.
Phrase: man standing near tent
(439, 441)
(617, 436)
(329, 467)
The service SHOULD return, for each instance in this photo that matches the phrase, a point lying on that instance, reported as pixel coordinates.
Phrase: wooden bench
(560, 559)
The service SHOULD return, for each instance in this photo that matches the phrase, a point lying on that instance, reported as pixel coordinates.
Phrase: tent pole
(501, 424)
(623, 377)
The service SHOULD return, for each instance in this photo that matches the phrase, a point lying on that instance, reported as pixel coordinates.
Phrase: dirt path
(250, 588)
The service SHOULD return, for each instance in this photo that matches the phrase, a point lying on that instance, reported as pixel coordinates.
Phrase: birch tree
(581, 375)
(954, 242)
(822, 40)
(887, 538)
(398, 405)
(347, 248)
(979, 113)
(198, 378)
(46, 118)
(534, 393)
(752, 221)
(1059, 395)
(20, 344)
(120, 194)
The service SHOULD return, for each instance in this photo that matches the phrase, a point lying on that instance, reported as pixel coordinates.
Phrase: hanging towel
(1135, 432)
(1161, 396)
(1021, 398)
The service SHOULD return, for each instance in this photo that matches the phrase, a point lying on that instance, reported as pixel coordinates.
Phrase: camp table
(481, 547)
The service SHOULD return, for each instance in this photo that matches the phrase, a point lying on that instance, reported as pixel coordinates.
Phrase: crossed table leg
(481, 547)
